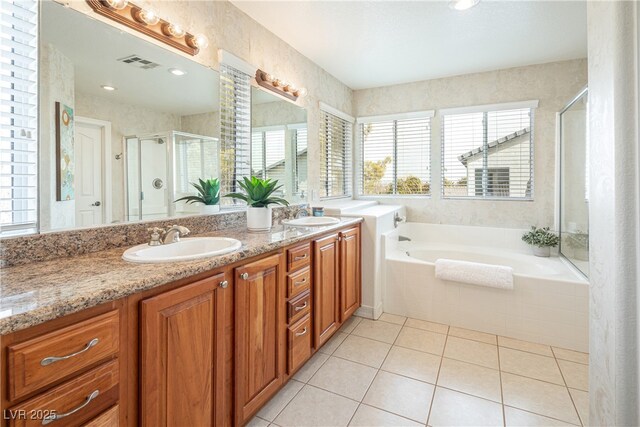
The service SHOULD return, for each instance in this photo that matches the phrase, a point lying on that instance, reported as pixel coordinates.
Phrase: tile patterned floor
(407, 372)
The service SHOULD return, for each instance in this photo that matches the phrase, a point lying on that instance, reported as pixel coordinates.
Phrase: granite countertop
(34, 293)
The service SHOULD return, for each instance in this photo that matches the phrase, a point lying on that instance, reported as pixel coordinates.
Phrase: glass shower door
(574, 183)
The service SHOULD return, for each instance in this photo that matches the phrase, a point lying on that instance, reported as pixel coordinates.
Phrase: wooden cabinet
(181, 342)
(206, 350)
(260, 352)
(350, 282)
(326, 290)
(337, 282)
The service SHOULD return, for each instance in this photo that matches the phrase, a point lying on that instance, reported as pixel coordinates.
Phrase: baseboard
(369, 312)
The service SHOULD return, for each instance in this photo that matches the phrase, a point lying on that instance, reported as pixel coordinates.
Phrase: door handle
(97, 203)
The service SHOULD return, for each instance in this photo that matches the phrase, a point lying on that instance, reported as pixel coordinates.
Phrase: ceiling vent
(139, 62)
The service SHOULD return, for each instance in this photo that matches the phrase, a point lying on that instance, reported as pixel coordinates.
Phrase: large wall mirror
(279, 143)
(574, 183)
(125, 125)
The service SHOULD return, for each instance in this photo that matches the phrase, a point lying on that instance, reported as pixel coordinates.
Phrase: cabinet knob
(244, 276)
(224, 284)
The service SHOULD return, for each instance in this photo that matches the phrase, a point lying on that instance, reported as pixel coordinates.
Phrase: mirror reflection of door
(90, 139)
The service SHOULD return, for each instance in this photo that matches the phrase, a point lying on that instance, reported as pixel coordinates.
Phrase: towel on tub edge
(475, 273)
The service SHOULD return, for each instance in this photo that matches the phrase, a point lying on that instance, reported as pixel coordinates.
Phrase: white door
(89, 174)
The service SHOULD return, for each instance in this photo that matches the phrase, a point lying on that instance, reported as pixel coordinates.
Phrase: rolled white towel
(475, 273)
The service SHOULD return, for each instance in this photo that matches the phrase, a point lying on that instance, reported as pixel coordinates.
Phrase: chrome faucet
(397, 219)
(173, 234)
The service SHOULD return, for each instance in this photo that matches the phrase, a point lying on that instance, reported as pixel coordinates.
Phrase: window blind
(488, 154)
(300, 142)
(18, 116)
(335, 156)
(235, 130)
(395, 157)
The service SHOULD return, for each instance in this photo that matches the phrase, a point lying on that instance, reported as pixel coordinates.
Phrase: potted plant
(208, 195)
(259, 197)
(541, 240)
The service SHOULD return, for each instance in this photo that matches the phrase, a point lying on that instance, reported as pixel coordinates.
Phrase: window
(395, 155)
(488, 153)
(18, 118)
(299, 138)
(335, 157)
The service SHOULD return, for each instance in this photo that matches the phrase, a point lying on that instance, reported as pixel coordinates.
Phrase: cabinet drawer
(108, 418)
(74, 402)
(298, 307)
(298, 257)
(298, 282)
(299, 344)
(38, 362)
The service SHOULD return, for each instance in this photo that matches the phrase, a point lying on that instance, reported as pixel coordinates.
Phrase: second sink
(184, 250)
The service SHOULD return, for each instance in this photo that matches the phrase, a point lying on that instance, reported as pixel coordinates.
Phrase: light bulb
(117, 4)
(302, 92)
(148, 16)
(267, 77)
(276, 82)
(173, 30)
(199, 41)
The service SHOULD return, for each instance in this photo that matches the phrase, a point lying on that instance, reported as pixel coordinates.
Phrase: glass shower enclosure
(160, 168)
(574, 182)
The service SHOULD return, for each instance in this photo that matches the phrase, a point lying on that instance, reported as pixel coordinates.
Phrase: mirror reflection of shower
(160, 168)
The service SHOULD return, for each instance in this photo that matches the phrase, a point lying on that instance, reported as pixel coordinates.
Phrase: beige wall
(552, 84)
(56, 84)
(230, 29)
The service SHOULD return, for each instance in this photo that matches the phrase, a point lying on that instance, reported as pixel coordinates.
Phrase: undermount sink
(185, 250)
(311, 221)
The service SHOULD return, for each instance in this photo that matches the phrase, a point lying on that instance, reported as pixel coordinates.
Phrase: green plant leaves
(258, 192)
(541, 237)
(208, 192)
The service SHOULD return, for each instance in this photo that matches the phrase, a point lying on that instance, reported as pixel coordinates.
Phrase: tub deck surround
(42, 247)
(40, 291)
(549, 302)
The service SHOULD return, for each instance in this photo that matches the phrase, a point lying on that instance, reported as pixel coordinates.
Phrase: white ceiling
(94, 48)
(377, 43)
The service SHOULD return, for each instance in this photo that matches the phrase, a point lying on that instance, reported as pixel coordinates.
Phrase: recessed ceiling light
(107, 87)
(177, 72)
(463, 4)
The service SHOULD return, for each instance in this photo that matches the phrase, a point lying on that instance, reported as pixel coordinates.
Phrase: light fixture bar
(278, 86)
(149, 23)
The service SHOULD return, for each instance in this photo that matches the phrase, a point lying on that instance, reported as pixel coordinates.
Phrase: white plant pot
(543, 252)
(259, 219)
(209, 209)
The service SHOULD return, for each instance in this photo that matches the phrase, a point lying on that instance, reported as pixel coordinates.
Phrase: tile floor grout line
(575, 407)
(541, 415)
(435, 388)
(504, 415)
(285, 406)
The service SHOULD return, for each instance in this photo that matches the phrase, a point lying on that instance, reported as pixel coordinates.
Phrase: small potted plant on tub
(208, 195)
(541, 240)
(258, 193)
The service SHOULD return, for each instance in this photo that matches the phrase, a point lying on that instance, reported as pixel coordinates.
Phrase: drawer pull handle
(224, 284)
(300, 257)
(244, 276)
(55, 417)
(302, 307)
(49, 360)
(299, 334)
(301, 282)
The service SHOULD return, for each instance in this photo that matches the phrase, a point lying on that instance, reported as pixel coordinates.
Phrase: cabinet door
(326, 294)
(181, 339)
(260, 334)
(350, 283)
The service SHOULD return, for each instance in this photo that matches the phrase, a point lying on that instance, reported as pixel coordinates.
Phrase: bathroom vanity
(97, 341)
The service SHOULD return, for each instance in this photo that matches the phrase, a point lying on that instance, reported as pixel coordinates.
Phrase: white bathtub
(549, 303)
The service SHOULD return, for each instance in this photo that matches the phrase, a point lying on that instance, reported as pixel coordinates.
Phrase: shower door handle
(97, 203)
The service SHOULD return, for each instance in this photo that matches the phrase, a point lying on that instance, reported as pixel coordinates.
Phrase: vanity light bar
(278, 86)
(148, 22)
